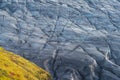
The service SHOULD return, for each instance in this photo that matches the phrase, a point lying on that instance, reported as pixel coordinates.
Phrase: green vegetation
(14, 67)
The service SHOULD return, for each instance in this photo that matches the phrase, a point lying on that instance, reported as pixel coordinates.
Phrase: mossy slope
(14, 67)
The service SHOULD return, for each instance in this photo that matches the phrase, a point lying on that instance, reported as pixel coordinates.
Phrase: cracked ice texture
(72, 39)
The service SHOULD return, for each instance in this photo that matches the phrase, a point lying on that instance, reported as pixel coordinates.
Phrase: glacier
(72, 39)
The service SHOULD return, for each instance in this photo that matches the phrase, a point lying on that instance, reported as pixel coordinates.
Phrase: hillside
(14, 67)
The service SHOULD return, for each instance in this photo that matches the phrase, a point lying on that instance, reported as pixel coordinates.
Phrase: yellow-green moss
(14, 67)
